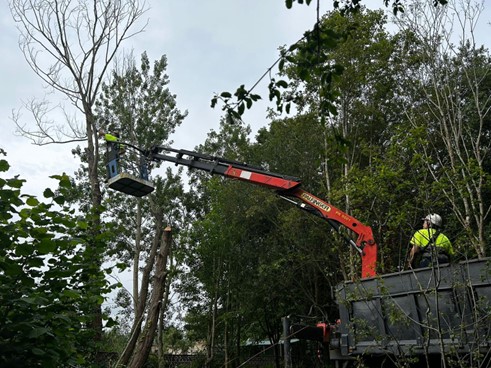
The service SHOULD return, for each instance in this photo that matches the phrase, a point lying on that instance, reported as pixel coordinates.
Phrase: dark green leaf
(241, 109)
(23, 249)
(59, 200)
(12, 269)
(32, 201)
(15, 183)
(65, 182)
(111, 323)
(37, 351)
(46, 246)
(38, 332)
(4, 165)
(48, 193)
(282, 84)
(281, 64)
(72, 294)
(33, 301)
(34, 262)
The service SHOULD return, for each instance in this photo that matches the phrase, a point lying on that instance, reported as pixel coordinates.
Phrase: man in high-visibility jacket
(433, 246)
(112, 154)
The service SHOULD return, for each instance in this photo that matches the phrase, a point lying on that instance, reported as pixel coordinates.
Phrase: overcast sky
(211, 46)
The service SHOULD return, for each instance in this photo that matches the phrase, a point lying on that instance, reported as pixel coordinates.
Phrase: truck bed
(416, 312)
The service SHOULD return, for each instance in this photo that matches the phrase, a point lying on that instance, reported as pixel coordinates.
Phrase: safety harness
(433, 252)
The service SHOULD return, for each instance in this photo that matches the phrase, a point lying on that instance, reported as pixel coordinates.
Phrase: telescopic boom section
(286, 186)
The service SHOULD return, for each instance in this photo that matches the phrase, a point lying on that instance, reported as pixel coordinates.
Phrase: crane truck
(441, 312)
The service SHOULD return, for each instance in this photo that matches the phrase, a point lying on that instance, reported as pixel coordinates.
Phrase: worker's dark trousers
(427, 260)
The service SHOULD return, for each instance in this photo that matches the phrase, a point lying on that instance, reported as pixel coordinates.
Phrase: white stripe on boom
(245, 175)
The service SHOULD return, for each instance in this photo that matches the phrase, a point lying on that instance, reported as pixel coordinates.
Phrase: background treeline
(399, 129)
(410, 136)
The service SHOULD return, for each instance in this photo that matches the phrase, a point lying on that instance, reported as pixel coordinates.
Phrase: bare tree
(455, 99)
(71, 45)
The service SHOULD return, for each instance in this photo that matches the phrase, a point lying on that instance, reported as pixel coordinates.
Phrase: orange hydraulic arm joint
(365, 244)
(287, 187)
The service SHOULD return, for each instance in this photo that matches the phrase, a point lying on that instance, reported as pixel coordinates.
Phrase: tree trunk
(160, 338)
(139, 311)
(96, 200)
(136, 257)
(165, 301)
(146, 339)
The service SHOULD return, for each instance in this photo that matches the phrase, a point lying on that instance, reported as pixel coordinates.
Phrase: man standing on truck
(431, 244)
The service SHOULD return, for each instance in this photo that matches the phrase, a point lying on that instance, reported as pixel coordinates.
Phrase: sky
(211, 46)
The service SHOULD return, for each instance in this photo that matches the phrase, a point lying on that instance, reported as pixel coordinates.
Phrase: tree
(364, 104)
(81, 40)
(138, 105)
(70, 46)
(235, 104)
(214, 252)
(47, 283)
(307, 246)
(246, 247)
(449, 113)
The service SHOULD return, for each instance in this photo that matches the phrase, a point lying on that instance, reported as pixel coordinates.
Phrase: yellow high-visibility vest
(422, 237)
(110, 138)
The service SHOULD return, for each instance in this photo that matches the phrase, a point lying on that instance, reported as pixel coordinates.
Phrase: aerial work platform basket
(130, 184)
(125, 182)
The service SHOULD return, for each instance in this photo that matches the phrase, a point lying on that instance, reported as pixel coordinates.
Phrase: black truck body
(422, 312)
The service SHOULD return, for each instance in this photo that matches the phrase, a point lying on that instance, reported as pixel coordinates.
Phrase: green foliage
(312, 48)
(307, 55)
(138, 104)
(175, 340)
(246, 248)
(48, 281)
(244, 99)
(368, 158)
(289, 3)
(385, 167)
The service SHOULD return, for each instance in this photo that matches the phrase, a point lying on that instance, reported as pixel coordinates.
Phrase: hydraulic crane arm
(229, 168)
(287, 187)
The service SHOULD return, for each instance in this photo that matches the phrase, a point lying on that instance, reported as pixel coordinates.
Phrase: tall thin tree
(70, 45)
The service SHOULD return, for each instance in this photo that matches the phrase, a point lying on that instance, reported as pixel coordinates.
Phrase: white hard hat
(434, 219)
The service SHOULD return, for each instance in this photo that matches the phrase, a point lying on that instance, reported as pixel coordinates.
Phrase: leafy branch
(306, 58)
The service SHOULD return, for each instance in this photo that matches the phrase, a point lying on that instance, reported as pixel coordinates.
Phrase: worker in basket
(430, 245)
